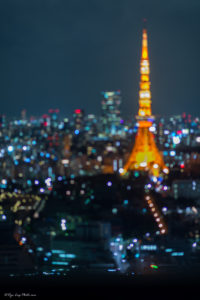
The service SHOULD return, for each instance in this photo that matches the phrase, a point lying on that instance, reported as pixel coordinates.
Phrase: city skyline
(50, 59)
(100, 146)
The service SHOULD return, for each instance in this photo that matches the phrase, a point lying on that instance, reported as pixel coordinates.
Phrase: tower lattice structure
(145, 155)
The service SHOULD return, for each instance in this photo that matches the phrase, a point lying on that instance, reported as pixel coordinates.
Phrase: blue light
(47, 155)
(168, 250)
(76, 131)
(60, 263)
(177, 254)
(41, 154)
(27, 160)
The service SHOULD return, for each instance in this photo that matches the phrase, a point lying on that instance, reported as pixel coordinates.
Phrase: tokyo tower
(145, 155)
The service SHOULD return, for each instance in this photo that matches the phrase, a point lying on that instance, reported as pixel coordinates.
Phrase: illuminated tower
(145, 155)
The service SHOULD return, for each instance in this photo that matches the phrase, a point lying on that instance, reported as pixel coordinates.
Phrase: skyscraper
(111, 112)
(145, 155)
(78, 117)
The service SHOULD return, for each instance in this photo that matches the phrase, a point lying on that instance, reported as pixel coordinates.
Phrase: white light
(109, 183)
(198, 139)
(48, 181)
(152, 129)
(165, 170)
(164, 209)
(65, 161)
(194, 245)
(172, 153)
(154, 179)
(120, 247)
(121, 170)
(41, 190)
(176, 140)
(160, 225)
(10, 148)
(185, 131)
(158, 220)
(155, 166)
(143, 164)
(23, 240)
(135, 240)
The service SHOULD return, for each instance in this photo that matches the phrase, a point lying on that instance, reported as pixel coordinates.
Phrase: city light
(154, 266)
(10, 148)
(96, 192)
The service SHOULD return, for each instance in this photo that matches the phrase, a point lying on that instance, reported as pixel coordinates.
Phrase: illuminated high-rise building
(78, 117)
(145, 155)
(111, 112)
(54, 117)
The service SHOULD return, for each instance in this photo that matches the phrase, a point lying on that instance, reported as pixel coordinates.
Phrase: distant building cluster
(38, 150)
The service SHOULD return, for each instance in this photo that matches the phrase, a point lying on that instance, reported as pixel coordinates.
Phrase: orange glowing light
(145, 154)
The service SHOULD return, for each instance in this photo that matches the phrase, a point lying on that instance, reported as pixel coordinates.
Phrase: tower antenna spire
(144, 23)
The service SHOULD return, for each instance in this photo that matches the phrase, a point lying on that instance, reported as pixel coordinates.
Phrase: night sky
(63, 53)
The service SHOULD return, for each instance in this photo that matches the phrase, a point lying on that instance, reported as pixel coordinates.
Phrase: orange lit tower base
(145, 155)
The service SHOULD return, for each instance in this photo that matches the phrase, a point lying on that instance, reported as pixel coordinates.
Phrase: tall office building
(78, 117)
(111, 113)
